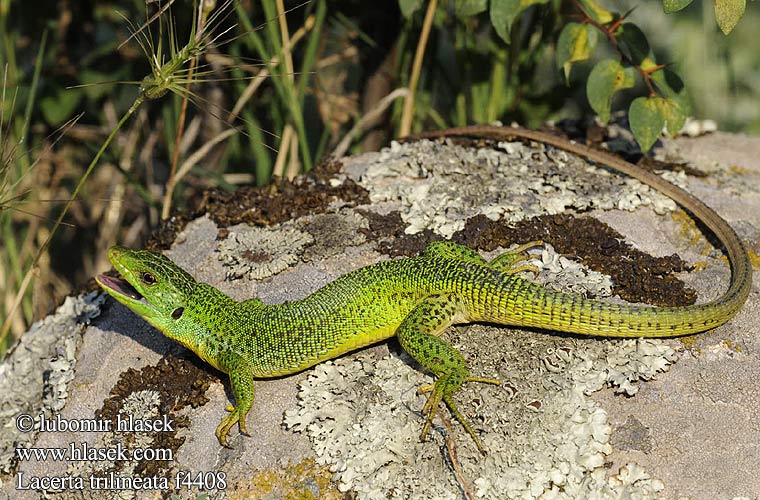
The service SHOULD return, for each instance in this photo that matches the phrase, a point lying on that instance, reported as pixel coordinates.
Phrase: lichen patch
(260, 252)
(333, 232)
(508, 183)
(48, 347)
(146, 394)
(305, 480)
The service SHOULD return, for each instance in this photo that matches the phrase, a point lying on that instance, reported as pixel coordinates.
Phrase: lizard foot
(506, 261)
(223, 429)
(440, 393)
(241, 380)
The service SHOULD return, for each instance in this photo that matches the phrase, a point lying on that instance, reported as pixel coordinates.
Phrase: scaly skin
(414, 299)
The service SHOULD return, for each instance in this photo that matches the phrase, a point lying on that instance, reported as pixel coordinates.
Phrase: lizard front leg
(418, 335)
(241, 380)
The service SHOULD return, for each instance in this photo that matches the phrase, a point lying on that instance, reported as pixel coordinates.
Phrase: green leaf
(647, 120)
(670, 6)
(59, 105)
(669, 83)
(728, 13)
(677, 104)
(607, 77)
(576, 43)
(675, 114)
(632, 42)
(648, 64)
(596, 12)
(649, 116)
(503, 14)
(469, 8)
(409, 7)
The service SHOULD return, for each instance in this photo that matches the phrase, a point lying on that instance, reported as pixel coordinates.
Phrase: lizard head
(151, 285)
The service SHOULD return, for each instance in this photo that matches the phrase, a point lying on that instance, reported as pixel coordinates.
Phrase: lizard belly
(350, 343)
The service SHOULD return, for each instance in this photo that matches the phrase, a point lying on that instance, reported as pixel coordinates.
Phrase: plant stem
(33, 269)
(407, 116)
(205, 8)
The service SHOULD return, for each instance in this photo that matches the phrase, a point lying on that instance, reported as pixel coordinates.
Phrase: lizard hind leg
(241, 380)
(450, 250)
(418, 335)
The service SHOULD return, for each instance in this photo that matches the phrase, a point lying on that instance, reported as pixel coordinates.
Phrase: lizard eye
(148, 279)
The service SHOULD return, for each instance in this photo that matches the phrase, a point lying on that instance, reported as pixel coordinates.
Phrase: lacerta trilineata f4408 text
(414, 299)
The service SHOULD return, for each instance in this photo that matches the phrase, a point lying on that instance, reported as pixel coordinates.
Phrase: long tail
(524, 303)
(547, 309)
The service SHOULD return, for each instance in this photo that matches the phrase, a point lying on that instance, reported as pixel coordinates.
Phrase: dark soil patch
(637, 276)
(180, 383)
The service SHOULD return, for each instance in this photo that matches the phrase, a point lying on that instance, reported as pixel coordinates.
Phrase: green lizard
(415, 299)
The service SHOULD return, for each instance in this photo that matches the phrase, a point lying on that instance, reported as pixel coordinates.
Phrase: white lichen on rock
(363, 417)
(140, 406)
(34, 377)
(561, 456)
(628, 361)
(560, 273)
(509, 184)
(260, 252)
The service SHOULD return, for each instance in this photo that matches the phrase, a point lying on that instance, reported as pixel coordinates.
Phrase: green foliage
(502, 15)
(58, 104)
(670, 6)
(409, 7)
(607, 77)
(728, 13)
(467, 8)
(576, 43)
(16, 264)
(596, 12)
(470, 34)
(632, 43)
(647, 119)
(665, 107)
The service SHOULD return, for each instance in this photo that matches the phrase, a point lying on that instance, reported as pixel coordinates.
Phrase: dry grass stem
(379, 109)
(407, 115)
(262, 72)
(294, 166)
(279, 163)
(189, 163)
(451, 449)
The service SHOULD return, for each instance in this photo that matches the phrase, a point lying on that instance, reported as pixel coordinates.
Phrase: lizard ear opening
(177, 313)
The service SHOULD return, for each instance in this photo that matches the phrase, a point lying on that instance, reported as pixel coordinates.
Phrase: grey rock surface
(573, 417)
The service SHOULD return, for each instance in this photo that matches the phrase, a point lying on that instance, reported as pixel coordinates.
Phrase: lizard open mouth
(120, 286)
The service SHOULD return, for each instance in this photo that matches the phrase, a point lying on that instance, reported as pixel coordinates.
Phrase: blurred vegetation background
(261, 90)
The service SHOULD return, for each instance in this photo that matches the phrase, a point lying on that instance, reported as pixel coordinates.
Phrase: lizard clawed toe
(507, 261)
(430, 408)
(223, 429)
